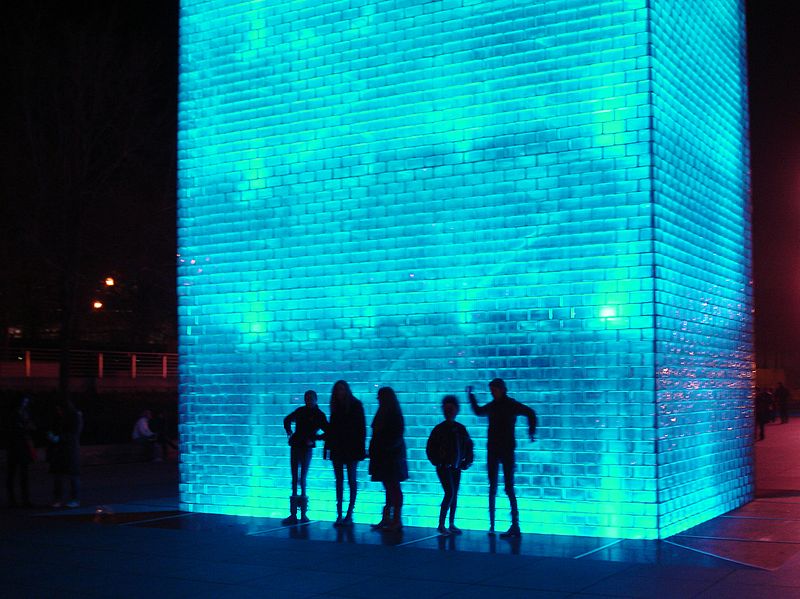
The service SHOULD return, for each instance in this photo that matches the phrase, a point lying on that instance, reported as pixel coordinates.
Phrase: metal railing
(45, 363)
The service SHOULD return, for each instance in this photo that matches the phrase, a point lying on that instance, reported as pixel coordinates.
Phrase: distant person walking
(308, 420)
(502, 412)
(65, 453)
(387, 457)
(450, 449)
(782, 396)
(345, 440)
(763, 410)
(20, 452)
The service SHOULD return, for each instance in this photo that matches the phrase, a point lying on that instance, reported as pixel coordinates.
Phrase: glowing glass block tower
(431, 194)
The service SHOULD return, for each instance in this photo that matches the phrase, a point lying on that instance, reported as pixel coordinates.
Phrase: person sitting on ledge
(143, 436)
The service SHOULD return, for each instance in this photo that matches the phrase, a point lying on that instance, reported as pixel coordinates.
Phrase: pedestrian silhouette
(20, 452)
(782, 397)
(502, 412)
(64, 453)
(387, 457)
(450, 449)
(763, 408)
(307, 419)
(345, 439)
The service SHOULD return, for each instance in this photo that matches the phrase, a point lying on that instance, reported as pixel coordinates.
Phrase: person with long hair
(345, 438)
(387, 457)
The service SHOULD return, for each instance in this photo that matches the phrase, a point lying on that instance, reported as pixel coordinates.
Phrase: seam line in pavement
(418, 540)
(722, 557)
(740, 540)
(611, 544)
(775, 518)
(281, 527)
(156, 519)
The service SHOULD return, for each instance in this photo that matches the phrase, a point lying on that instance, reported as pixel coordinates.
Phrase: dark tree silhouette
(88, 178)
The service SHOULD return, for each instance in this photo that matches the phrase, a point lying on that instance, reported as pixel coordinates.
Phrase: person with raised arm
(502, 412)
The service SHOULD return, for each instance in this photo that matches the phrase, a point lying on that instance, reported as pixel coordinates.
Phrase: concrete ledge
(93, 455)
(119, 453)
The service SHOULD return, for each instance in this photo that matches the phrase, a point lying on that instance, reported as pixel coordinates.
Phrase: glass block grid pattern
(702, 234)
(429, 195)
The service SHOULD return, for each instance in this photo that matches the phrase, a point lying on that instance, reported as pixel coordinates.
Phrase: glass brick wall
(704, 353)
(429, 195)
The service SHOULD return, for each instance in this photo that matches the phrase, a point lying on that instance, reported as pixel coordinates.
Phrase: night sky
(774, 75)
(126, 221)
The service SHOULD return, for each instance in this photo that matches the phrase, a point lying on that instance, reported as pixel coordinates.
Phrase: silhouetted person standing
(782, 396)
(20, 452)
(763, 409)
(450, 449)
(307, 419)
(502, 412)
(345, 440)
(387, 457)
(65, 453)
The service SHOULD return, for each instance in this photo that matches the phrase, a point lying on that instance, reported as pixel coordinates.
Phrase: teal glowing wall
(431, 194)
(702, 259)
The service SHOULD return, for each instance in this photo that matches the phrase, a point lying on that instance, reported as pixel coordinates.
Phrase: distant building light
(97, 304)
(110, 282)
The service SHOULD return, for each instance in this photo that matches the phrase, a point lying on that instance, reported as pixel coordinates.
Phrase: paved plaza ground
(130, 540)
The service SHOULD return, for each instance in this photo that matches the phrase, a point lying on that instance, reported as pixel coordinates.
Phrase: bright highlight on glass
(608, 312)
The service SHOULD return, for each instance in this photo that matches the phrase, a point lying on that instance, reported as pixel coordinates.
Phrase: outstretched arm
(529, 413)
(476, 409)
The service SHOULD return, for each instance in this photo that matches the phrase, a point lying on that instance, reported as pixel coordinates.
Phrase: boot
(454, 530)
(442, 528)
(292, 519)
(513, 531)
(339, 521)
(348, 519)
(303, 499)
(491, 514)
(394, 524)
(384, 519)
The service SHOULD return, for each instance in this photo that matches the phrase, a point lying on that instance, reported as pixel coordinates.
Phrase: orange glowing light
(110, 282)
(97, 304)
